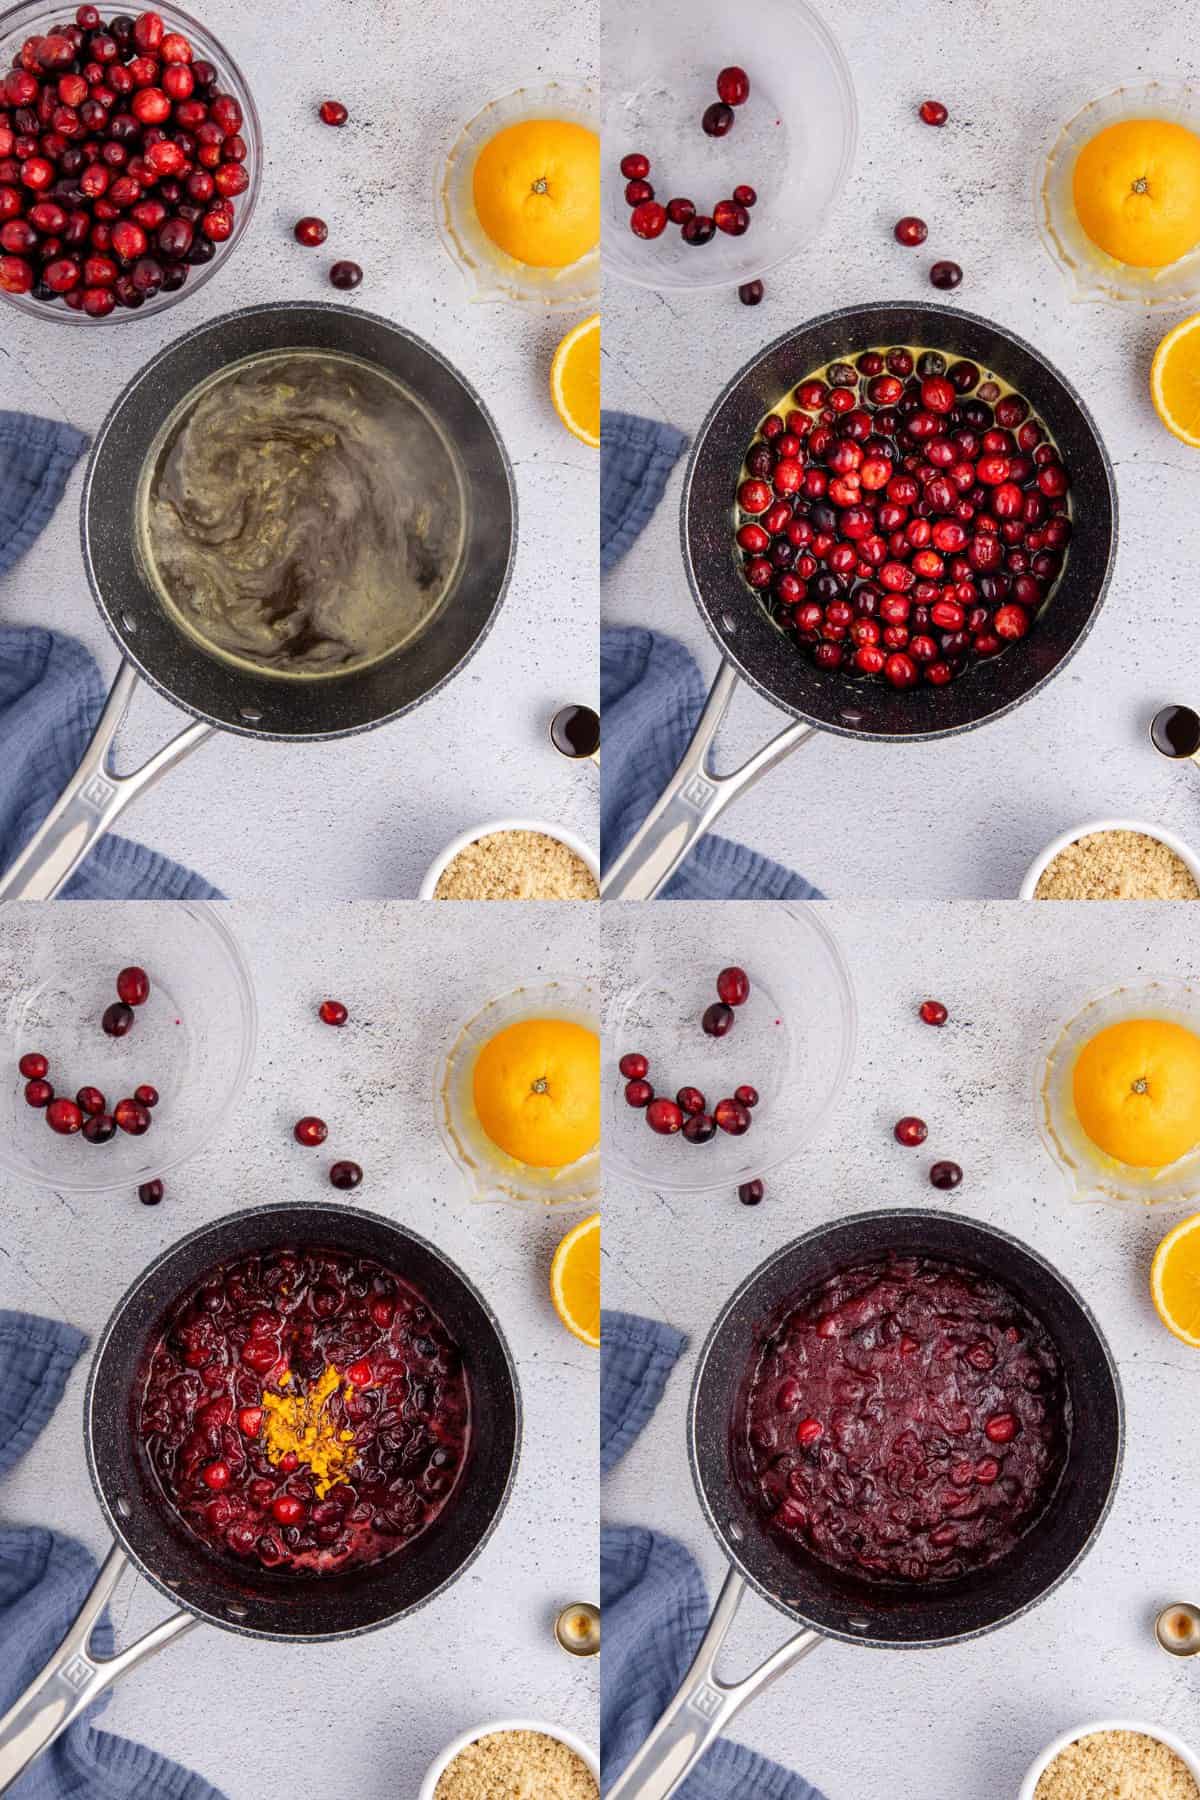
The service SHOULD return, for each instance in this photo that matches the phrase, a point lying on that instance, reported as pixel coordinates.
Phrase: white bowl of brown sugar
(1114, 1756)
(514, 1757)
(514, 859)
(1114, 859)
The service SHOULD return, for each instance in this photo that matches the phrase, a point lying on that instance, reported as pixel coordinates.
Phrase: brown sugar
(1117, 1765)
(517, 1765)
(1117, 865)
(516, 865)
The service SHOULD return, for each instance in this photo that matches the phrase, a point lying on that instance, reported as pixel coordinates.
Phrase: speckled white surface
(942, 1725)
(359, 1720)
(965, 816)
(379, 806)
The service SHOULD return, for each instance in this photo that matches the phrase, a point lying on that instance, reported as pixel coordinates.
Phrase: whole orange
(536, 1087)
(1136, 1088)
(1136, 187)
(536, 187)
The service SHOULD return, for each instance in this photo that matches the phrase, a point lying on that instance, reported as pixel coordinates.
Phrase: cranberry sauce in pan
(905, 1421)
(306, 1410)
(903, 516)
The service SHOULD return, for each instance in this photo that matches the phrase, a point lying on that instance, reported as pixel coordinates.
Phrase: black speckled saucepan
(754, 650)
(822, 1601)
(256, 1601)
(220, 695)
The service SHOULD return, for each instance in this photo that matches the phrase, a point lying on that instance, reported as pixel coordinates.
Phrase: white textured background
(380, 806)
(967, 1720)
(359, 1720)
(966, 816)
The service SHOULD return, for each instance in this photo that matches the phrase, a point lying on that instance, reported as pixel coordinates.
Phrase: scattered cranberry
(717, 1020)
(733, 86)
(132, 1116)
(945, 1175)
(945, 275)
(101, 1129)
(310, 231)
(150, 1193)
(145, 1095)
(38, 1093)
(699, 230)
(649, 220)
(332, 1012)
(910, 1130)
(664, 1117)
(345, 1174)
(310, 1130)
(933, 112)
(751, 1192)
(910, 230)
(699, 1128)
(117, 1019)
(691, 1100)
(732, 1116)
(91, 1100)
(33, 1065)
(332, 112)
(679, 210)
(64, 1117)
(733, 986)
(730, 218)
(746, 1095)
(637, 191)
(744, 195)
(345, 275)
(750, 293)
(635, 166)
(933, 1012)
(638, 1093)
(717, 119)
(633, 1065)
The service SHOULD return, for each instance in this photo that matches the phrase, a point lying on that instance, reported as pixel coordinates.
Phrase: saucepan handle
(694, 799)
(91, 800)
(74, 1677)
(704, 1705)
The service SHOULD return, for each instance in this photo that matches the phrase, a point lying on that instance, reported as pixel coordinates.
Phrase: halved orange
(1175, 1281)
(1175, 381)
(575, 1281)
(575, 381)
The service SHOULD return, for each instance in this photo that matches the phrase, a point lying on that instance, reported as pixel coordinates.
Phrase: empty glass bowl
(35, 18)
(193, 1039)
(792, 141)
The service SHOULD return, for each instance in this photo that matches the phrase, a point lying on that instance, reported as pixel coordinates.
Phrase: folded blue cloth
(652, 1593)
(652, 693)
(43, 1581)
(51, 693)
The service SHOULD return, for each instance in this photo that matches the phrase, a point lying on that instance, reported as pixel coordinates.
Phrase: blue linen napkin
(655, 1605)
(651, 691)
(43, 1580)
(51, 692)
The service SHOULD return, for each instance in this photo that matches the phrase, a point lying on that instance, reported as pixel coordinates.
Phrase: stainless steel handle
(694, 798)
(704, 1705)
(91, 800)
(74, 1677)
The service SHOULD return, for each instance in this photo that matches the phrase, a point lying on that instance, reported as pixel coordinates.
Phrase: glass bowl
(793, 140)
(193, 1038)
(792, 1039)
(491, 1174)
(1090, 273)
(34, 18)
(488, 271)
(1089, 1173)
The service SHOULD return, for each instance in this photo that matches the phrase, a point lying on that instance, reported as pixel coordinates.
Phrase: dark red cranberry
(745, 195)
(146, 1095)
(345, 275)
(332, 112)
(691, 1100)
(649, 220)
(635, 166)
(699, 1128)
(945, 1175)
(910, 230)
(730, 218)
(637, 191)
(638, 1092)
(332, 1012)
(750, 293)
(679, 210)
(38, 1093)
(717, 1020)
(133, 986)
(91, 1100)
(932, 112)
(117, 1019)
(699, 230)
(64, 1116)
(945, 275)
(101, 1129)
(150, 1193)
(310, 1130)
(664, 1117)
(345, 1174)
(717, 119)
(910, 1130)
(132, 1117)
(633, 1065)
(751, 1192)
(746, 1095)
(733, 85)
(33, 1065)
(933, 1012)
(732, 1116)
(733, 985)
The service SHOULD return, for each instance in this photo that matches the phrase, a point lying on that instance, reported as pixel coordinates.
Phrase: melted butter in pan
(301, 513)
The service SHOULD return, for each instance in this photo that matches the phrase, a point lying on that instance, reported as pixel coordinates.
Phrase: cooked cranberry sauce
(905, 1421)
(306, 1409)
(902, 516)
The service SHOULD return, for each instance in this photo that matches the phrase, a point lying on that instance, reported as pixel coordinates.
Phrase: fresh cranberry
(133, 986)
(101, 1129)
(750, 293)
(751, 1192)
(730, 218)
(132, 1116)
(345, 275)
(733, 85)
(700, 230)
(732, 1116)
(699, 1128)
(146, 1095)
(733, 985)
(117, 1019)
(310, 231)
(910, 230)
(33, 1065)
(633, 1065)
(691, 1100)
(332, 112)
(945, 274)
(746, 1095)
(717, 119)
(310, 1130)
(745, 195)
(933, 1012)
(332, 1012)
(150, 1193)
(638, 1092)
(649, 220)
(665, 1117)
(679, 210)
(910, 1130)
(64, 1116)
(91, 1100)
(635, 166)
(945, 1175)
(637, 191)
(717, 1020)
(345, 1174)
(38, 1093)
(933, 112)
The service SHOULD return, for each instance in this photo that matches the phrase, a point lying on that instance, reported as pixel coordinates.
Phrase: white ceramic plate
(441, 1763)
(442, 862)
(1041, 863)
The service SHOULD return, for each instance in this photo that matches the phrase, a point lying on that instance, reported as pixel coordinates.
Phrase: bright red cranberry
(933, 1012)
(945, 1175)
(310, 231)
(750, 293)
(649, 220)
(745, 195)
(733, 985)
(101, 1129)
(633, 1065)
(33, 1065)
(699, 1128)
(733, 86)
(730, 218)
(332, 112)
(691, 1100)
(717, 1020)
(751, 1192)
(933, 112)
(16, 275)
(910, 230)
(132, 1117)
(216, 1475)
(133, 986)
(64, 1116)
(117, 1019)
(38, 1092)
(91, 1100)
(288, 1510)
(150, 1193)
(310, 1130)
(910, 1130)
(146, 1095)
(945, 274)
(635, 166)
(746, 1095)
(345, 275)
(699, 230)
(717, 119)
(638, 1092)
(679, 210)
(665, 1117)
(332, 1012)
(1001, 1428)
(345, 1174)
(732, 1116)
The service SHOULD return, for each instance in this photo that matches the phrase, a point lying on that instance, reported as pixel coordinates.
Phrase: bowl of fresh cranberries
(130, 160)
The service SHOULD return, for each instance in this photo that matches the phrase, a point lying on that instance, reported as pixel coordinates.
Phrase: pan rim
(695, 585)
(129, 654)
(150, 1272)
(924, 1216)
